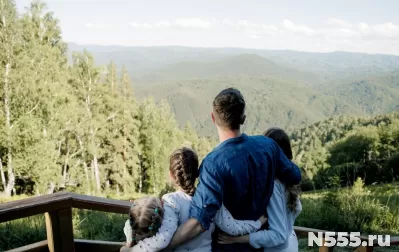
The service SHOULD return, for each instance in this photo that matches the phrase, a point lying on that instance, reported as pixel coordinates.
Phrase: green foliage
(22, 232)
(358, 187)
(76, 127)
(337, 151)
(368, 210)
(92, 225)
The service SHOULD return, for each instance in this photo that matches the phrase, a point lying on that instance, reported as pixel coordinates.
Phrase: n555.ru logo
(345, 239)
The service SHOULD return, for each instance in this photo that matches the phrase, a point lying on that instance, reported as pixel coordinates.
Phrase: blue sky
(370, 26)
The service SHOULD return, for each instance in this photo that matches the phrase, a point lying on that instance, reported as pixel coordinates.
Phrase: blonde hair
(145, 216)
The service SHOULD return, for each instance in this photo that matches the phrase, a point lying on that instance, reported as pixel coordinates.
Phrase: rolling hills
(282, 88)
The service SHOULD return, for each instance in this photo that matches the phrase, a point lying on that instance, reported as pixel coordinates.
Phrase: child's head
(145, 217)
(183, 169)
(281, 138)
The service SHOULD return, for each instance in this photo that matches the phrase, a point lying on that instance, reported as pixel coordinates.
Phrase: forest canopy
(80, 127)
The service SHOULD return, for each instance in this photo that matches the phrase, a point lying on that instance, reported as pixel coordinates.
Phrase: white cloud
(332, 34)
(187, 23)
(299, 29)
(196, 23)
(140, 25)
(242, 23)
(163, 23)
(256, 30)
(386, 30)
(227, 22)
(339, 22)
(98, 26)
(363, 27)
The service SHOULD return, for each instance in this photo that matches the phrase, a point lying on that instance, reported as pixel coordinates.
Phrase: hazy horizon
(307, 26)
(223, 47)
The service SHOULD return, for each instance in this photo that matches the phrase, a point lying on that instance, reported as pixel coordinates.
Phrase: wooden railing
(58, 214)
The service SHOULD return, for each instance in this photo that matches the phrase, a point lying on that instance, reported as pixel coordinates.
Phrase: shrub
(353, 210)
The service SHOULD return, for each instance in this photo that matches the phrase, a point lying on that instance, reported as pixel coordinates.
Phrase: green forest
(76, 127)
(79, 126)
(337, 151)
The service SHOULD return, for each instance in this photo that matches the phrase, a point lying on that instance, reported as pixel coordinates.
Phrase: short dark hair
(282, 139)
(229, 109)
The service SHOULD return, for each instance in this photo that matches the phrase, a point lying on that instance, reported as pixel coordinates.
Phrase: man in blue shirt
(240, 173)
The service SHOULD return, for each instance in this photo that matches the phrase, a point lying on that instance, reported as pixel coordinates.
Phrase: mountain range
(282, 88)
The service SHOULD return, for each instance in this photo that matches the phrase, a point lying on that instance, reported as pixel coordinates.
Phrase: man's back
(238, 173)
(247, 168)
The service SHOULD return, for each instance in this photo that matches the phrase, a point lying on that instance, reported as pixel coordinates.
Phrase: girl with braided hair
(145, 218)
(183, 170)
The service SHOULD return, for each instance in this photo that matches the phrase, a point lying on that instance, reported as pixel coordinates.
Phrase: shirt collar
(238, 139)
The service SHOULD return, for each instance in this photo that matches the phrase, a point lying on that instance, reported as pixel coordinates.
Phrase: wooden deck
(57, 209)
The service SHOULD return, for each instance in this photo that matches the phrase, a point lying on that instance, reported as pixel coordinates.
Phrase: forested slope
(336, 151)
(76, 126)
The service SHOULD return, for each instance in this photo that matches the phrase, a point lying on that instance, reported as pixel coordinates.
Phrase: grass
(373, 209)
(369, 210)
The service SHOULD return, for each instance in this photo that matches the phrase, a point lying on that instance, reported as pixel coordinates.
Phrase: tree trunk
(124, 154)
(141, 175)
(3, 177)
(97, 173)
(85, 166)
(87, 178)
(64, 172)
(6, 100)
(117, 190)
(92, 178)
(51, 188)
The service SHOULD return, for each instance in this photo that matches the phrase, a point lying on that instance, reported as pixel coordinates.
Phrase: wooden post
(60, 231)
(325, 248)
(364, 249)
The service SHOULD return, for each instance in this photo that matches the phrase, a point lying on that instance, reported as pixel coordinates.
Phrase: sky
(368, 26)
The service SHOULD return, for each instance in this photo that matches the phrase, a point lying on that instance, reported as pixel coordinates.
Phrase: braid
(145, 218)
(184, 169)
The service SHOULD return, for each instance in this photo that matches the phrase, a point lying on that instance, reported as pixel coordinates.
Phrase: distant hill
(147, 59)
(249, 65)
(282, 88)
(270, 102)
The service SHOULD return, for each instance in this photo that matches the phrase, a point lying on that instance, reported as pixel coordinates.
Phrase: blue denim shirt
(240, 173)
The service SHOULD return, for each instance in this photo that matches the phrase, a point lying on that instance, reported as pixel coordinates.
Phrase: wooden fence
(58, 214)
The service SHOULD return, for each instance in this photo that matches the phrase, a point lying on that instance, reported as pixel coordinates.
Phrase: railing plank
(34, 247)
(364, 249)
(395, 241)
(35, 205)
(100, 204)
(59, 221)
(97, 246)
(59, 229)
(304, 231)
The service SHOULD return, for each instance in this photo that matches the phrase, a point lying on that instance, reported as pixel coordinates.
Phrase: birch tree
(9, 46)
